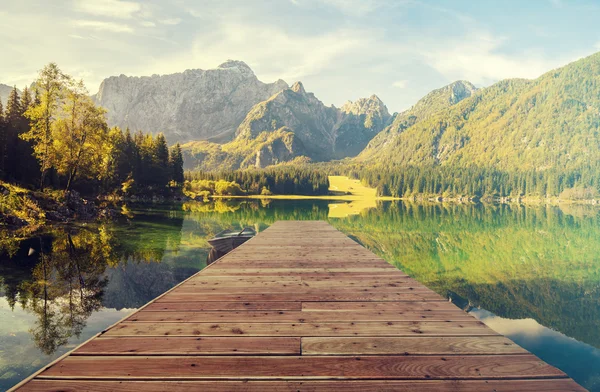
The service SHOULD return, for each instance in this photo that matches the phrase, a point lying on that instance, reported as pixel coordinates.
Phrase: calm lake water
(530, 273)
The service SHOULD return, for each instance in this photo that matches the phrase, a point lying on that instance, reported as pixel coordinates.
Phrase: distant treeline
(280, 180)
(57, 137)
(452, 182)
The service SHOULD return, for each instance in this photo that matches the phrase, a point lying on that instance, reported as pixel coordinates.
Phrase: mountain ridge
(191, 105)
(515, 124)
(291, 124)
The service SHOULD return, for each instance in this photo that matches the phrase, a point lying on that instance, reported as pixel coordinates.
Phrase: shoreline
(437, 200)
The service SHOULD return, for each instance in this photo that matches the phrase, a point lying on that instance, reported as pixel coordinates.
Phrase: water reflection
(539, 264)
(64, 287)
(577, 358)
(214, 255)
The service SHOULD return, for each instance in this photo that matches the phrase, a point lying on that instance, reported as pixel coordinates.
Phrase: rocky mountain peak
(236, 65)
(192, 105)
(369, 105)
(460, 90)
(298, 88)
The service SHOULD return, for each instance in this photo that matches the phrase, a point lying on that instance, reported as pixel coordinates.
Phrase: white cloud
(110, 8)
(170, 21)
(103, 26)
(400, 83)
(272, 52)
(477, 57)
(350, 7)
(147, 23)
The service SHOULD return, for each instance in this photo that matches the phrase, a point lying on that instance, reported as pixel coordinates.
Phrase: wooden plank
(321, 291)
(409, 345)
(296, 316)
(261, 367)
(304, 296)
(238, 281)
(429, 306)
(298, 271)
(169, 306)
(274, 265)
(190, 346)
(402, 328)
(554, 385)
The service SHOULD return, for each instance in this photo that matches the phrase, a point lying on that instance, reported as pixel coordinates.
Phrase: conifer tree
(160, 161)
(13, 121)
(177, 164)
(27, 168)
(13, 108)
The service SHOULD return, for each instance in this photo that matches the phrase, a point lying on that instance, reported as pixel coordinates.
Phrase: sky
(340, 49)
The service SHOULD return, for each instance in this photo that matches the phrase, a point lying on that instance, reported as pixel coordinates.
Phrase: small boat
(228, 240)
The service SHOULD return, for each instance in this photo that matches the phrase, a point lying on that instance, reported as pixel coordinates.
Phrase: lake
(530, 273)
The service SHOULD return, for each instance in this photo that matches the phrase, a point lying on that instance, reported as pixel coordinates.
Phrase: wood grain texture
(409, 345)
(401, 306)
(385, 328)
(166, 304)
(557, 385)
(298, 316)
(324, 295)
(263, 367)
(300, 307)
(190, 346)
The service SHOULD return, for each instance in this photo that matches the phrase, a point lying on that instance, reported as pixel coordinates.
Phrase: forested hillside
(517, 138)
(550, 122)
(428, 106)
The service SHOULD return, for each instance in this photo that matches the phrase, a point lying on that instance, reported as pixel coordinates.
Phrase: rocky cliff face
(325, 131)
(193, 105)
(292, 124)
(369, 116)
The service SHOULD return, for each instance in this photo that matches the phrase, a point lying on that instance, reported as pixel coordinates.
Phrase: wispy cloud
(103, 26)
(400, 83)
(170, 21)
(477, 57)
(275, 52)
(110, 8)
(350, 7)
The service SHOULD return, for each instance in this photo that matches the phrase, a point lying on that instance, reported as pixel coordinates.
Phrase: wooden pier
(300, 307)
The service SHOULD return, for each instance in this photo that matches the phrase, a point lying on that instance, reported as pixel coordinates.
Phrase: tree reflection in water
(65, 286)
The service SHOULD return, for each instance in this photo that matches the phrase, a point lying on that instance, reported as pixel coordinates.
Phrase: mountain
(549, 122)
(432, 103)
(292, 124)
(192, 105)
(4, 92)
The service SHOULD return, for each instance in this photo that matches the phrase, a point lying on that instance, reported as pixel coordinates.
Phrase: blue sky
(340, 49)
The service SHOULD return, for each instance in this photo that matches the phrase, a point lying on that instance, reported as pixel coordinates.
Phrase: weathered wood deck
(300, 307)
